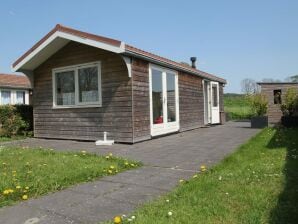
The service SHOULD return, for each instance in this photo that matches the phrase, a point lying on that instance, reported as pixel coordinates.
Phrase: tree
(249, 86)
(293, 78)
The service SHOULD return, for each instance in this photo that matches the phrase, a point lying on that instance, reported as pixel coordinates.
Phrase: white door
(164, 104)
(214, 103)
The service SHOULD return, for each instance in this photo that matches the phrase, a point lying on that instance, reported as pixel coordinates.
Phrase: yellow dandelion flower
(25, 197)
(117, 220)
(126, 163)
(132, 164)
(84, 152)
(112, 167)
(5, 192)
(110, 171)
(110, 154)
(195, 176)
(18, 187)
(181, 181)
(107, 157)
(27, 188)
(10, 191)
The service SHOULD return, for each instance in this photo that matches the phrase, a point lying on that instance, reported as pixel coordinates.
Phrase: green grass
(45, 170)
(237, 106)
(256, 184)
(6, 139)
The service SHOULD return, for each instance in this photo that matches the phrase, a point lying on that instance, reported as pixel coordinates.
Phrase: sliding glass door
(164, 101)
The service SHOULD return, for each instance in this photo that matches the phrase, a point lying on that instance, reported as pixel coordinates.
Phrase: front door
(164, 108)
(214, 103)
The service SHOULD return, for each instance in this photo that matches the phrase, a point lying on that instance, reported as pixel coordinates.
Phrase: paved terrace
(166, 160)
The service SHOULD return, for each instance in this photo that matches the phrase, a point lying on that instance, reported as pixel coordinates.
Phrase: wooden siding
(191, 101)
(115, 115)
(141, 100)
(274, 113)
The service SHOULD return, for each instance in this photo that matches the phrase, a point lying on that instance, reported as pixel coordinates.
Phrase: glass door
(164, 101)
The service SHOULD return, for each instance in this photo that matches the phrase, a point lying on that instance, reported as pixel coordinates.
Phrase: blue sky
(232, 39)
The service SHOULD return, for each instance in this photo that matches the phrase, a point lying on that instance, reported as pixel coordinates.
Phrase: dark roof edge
(169, 65)
(276, 83)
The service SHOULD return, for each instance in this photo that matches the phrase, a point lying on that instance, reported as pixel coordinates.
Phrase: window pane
(5, 97)
(65, 88)
(157, 97)
(20, 99)
(277, 96)
(214, 95)
(171, 98)
(88, 84)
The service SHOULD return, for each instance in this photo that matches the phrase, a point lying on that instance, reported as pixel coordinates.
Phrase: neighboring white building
(14, 89)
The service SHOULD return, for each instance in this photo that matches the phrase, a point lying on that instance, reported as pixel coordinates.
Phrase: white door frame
(215, 112)
(165, 127)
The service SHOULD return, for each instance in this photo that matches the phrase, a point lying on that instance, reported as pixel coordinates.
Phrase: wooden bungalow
(85, 84)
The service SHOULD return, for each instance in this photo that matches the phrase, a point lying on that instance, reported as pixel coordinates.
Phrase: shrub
(26, 112)
(11, 122)
(289, 107)
(258, 104)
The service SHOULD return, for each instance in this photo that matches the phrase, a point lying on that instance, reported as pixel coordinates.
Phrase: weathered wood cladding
(141, 100)
(274, 113)
(191, 101)
(115, 115)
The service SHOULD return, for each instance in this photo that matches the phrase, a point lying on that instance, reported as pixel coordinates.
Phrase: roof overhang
(53, 42)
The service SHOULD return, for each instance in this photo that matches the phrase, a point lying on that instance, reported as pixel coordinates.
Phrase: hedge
(16, 120)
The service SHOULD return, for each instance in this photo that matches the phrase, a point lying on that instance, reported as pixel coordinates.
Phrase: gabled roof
(14, 81)
(61, 35)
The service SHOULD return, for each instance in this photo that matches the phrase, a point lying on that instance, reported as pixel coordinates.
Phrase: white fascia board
(127, 61)
(70, 37)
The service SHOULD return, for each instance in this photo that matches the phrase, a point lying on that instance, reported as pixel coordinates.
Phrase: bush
(258, 104)
(26, 112)
(289, 107)
(11, 122)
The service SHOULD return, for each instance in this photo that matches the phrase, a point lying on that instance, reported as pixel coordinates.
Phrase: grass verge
(256, 184)
(7, 139)
(27, 173)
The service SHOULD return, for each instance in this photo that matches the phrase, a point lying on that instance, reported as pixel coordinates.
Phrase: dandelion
(110, 171)
(203, 168)
(18, 187)
(126, 163)
(110, 154)
(227, 193)
(167, 200)
(112, 167)
(5, 192)
(170, 213)
(117, 220)
(132, 165)
(25, 197)
(195, 176)
(27, 188)
(10, 191)
(133, 217)
(181, 181)
(107, 157)
(220, 178)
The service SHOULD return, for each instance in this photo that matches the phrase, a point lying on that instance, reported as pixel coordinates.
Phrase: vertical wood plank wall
(274, 113)
(115, 115)
(141, 100)
(191, 101)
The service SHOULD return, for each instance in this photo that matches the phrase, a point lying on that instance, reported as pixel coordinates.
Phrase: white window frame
(13, 95)
(76, 68)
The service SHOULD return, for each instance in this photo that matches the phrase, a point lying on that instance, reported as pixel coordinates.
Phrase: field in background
(236, 106)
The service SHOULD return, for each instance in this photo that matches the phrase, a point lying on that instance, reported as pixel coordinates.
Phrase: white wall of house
(14, 96)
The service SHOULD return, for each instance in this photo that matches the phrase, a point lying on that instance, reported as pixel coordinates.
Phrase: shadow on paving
(286, 210)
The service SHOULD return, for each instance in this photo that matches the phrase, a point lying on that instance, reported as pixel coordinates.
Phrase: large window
(5, 97)
(77, 86)
(20, 97)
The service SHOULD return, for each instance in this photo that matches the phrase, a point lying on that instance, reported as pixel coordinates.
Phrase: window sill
(76, 106)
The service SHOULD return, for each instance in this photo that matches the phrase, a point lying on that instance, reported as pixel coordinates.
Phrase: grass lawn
(256, 184)
(237, 106)
(27, 173)
(6, 139)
